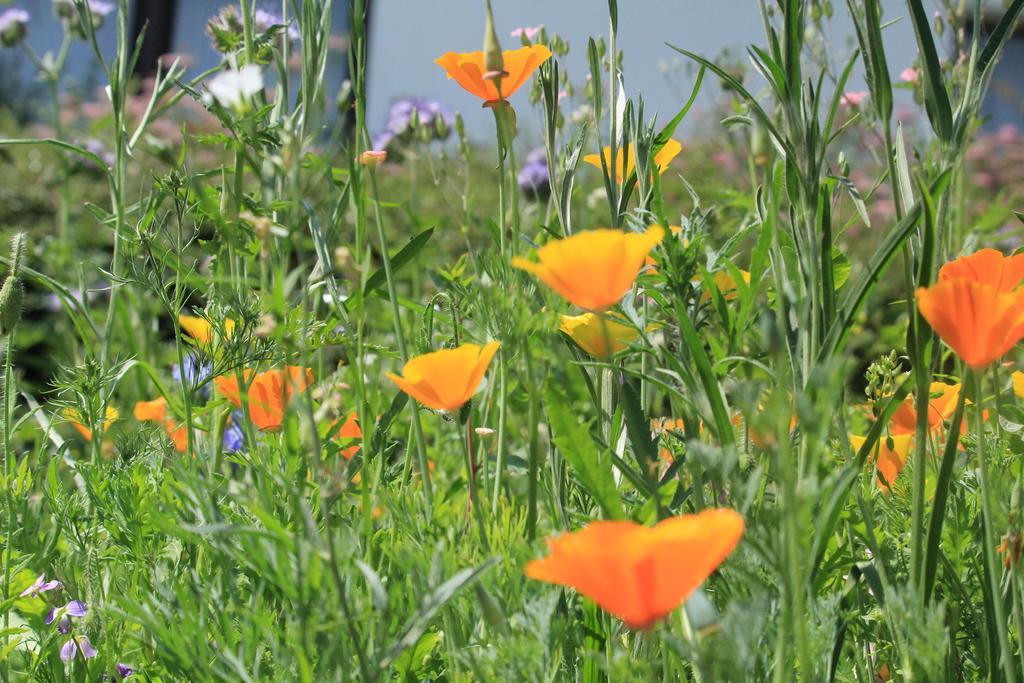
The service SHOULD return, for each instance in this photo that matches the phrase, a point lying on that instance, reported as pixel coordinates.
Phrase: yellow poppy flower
(75, 418)
(1018, 383)
(725, 283)
(593, 269)
(662, 160)
(446, 379)
(891, 452)
(201, 330)
(590, 335)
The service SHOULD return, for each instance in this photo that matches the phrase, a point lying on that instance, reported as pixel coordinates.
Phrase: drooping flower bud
(494, 62)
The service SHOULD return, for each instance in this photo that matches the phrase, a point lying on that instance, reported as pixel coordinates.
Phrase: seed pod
(11, 296)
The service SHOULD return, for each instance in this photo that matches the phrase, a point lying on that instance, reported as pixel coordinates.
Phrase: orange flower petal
(593, 269)
(941, 406)
(155, 410)
(637, 573)
(987, 266)
(350, 430)
(446, 379)
(269, 393)
(467, 69)
(978, 322)
(891, 453)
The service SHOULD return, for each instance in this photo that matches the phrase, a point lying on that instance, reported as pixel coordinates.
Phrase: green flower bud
(13, 27)
(11, 296)
(494, 62)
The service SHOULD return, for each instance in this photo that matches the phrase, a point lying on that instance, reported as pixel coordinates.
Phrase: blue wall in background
(407, 35)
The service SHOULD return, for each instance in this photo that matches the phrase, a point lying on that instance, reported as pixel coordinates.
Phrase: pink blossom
(854, 98)
(529, 31)
(910, 75)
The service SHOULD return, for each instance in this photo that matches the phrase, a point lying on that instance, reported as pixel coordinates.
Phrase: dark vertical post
(156, 18)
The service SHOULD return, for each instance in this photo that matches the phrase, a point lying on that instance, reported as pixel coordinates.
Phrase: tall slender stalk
(988, 535)
(417, 427)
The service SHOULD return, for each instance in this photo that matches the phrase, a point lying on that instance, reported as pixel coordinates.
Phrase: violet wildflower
(123, 670)
(264, 20)
(75, 608)
(534, 180)
(410, 118)
(196, 372)
(41, 585)
(234, 437)
(76, 644)
(13, 26)
(98, 11)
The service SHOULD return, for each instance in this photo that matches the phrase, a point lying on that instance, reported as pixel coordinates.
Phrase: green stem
(417, 427)
(988, 536)
(8, 546)
(474, 496)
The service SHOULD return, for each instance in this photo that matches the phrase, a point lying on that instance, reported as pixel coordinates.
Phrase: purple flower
(534, 180)
(234, 437)
(74, 644)
(263, 20)
(13, 26)
(41, 585)
(123, 670)
(101, 7)
(197, 371)
(75, 608)
(430, 115)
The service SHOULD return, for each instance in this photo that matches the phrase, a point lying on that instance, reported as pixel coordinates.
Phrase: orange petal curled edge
(640, 574)
(987, 266)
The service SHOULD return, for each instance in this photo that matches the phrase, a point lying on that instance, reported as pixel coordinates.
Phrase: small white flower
(235, 89)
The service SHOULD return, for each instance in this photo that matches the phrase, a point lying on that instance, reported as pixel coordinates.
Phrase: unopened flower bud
(266, 326)
(494, 61)
(11, 296)
(13, 27)
(373, 157)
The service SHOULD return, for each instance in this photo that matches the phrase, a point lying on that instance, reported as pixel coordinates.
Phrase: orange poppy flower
(446, 379)
(640, 574)
(201, 330)
(664, 425)
(593, 269)
(75, 418)
(941, 406)
(891, 453)
(467, 68)
(594, 338)
(662, 160)
(156, 411)
(975, 319)
(987, 266)
(350, 431)
(269, 392)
